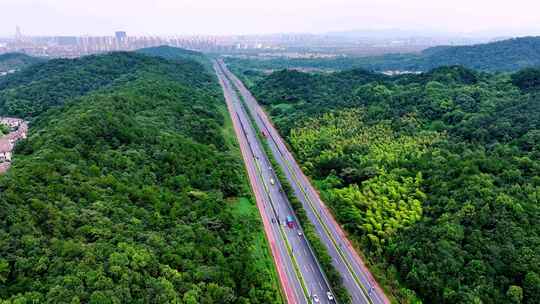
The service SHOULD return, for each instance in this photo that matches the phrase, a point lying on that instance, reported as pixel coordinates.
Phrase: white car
(272, 181)
(299, 233)
(330, 296)
(315, 299)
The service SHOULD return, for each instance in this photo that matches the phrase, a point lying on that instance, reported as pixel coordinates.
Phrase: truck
(290, 221)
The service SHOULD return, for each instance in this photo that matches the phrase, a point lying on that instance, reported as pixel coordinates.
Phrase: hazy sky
(67, 17)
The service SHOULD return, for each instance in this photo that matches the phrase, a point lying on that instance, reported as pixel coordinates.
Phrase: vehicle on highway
(290, 221)
(315, 299)
(299, 233)
(330, 296)
(272, 181)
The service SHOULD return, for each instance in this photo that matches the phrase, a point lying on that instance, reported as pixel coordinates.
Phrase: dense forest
(16, 61)
(44, 85)
(506, 55)
(435, 176)
(173, 53)
(129, 189)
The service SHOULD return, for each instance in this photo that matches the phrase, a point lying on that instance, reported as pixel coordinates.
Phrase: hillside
(32, 91)
(129, 190)
(16, 61)
(169, 52)
(174, 53)
(435, 176)
(501, 56)
(506, 55)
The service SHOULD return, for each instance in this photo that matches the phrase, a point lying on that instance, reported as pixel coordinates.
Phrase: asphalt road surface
(356, 277)
(298, 269)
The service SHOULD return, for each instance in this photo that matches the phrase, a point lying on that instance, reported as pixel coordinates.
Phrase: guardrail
(292, 172)
(296, 217)
(283, 235)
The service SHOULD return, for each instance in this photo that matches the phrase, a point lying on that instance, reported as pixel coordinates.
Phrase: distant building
(66, 40)
(18, 34)
(121, 36)
(5, 150)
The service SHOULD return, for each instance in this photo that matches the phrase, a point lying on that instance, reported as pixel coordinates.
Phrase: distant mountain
(169, 52)
(387, 33)
(16, 61)
(500, 56)
(41, 86)
(505, 55)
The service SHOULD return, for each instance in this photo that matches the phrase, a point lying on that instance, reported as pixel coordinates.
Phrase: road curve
(356, 277)
(299, 272)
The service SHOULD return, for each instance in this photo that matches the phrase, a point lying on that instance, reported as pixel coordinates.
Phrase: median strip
(266, 148)
(330, 236)
(317, 215)
(289, 250)
(284, 237)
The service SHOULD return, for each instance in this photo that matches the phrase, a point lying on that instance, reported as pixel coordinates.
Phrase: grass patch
(245, 208)
(228, 132)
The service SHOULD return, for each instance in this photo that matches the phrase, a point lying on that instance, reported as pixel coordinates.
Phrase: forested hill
(16, 61)
(42, 86)
(436, 176)
(174, 53)
(501, 56)
(130, 194)
(506, 55)
(169, 52)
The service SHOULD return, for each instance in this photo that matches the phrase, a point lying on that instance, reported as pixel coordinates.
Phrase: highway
(356, 277)
(299, 273)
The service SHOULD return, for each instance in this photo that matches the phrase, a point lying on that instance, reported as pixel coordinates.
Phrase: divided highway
(356, 277)
(300, 275)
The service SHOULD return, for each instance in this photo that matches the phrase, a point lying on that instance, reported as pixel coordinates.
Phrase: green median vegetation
(325, 260)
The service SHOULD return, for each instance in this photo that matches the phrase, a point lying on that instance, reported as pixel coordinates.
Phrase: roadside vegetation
(127, 189)
(435, 176)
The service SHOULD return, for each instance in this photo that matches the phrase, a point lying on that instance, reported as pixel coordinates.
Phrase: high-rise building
(121, 36)
(18, 33)
(66, 40)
